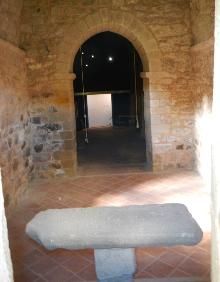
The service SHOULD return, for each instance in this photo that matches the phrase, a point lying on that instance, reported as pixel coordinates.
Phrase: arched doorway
(109, 104)
(142, 39)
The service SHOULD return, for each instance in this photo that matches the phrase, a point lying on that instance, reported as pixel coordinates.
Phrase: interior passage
(109, 105)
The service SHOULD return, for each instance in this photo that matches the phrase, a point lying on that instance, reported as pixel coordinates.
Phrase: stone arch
(123, 23)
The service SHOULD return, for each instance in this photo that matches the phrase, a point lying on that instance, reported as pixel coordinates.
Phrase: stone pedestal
(115, 265)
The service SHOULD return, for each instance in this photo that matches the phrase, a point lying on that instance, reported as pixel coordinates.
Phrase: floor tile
(194, 268)
(61, 256)
(172, 258)
(33, 257)
(76, 264)
(88, 273)
(159, 269)
(26, 275)
(44, 266)
(60, 274)
(143, 260)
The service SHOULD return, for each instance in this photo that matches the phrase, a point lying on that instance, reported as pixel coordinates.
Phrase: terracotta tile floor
(33, 263)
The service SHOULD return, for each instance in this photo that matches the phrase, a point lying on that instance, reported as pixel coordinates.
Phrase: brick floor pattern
(33, 263)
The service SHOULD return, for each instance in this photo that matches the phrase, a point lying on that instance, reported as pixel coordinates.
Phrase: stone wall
(202, 69)
(51, 34)
(202, 56)
(15, 158)
(10, 11)
(202, 20)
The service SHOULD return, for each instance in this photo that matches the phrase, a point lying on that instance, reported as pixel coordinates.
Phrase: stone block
(68, 144)
(68, 125)
(154, 103)
(115, 227)
(41, 157)
(72, 172)
(162, 148)
(180, 147)
(38, 148)
(53, 126)
(66, 134)
(160, 129)
(64, 155)
(35, 120)
(115, 264)
(68, 163)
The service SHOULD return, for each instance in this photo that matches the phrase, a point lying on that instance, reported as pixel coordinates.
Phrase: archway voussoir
(105, 27)
(97, 18)
(145, 60)
(117, 18)
(99, 28)
(127, 19)
(105, 16)
(155, 65)
(132, 37)
(123, 23)
(119, 29)
(113, 27)
(92, 20)
(82, 31)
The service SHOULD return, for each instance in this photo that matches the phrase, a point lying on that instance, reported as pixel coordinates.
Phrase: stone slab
(114, 265)
(115, 227)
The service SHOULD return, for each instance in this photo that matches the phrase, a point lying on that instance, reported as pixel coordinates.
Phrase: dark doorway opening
(109, 104)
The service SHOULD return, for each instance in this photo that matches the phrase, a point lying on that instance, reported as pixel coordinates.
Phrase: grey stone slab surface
(115, 227)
